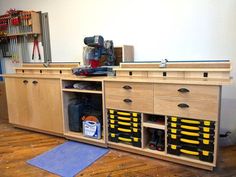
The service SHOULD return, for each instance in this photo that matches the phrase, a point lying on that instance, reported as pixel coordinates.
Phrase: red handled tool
(36, 44)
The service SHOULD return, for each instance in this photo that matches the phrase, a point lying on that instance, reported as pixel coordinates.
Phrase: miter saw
(98, 55)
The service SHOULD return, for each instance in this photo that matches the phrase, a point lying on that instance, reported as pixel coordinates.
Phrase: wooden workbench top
(191, 81)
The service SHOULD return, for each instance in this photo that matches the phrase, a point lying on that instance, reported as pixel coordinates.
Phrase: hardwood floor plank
(17, 146)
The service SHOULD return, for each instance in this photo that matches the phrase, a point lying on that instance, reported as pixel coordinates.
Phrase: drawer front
(132, 103)
(193, 92)
(197, 109)
(129, 89)
(129, 96)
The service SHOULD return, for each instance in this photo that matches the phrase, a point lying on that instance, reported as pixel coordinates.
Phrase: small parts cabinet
(124, 127)
(192, 137)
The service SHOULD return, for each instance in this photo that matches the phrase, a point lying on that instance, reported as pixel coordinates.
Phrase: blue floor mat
(68, 159)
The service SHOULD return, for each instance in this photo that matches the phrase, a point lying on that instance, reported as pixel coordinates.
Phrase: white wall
(173, 29)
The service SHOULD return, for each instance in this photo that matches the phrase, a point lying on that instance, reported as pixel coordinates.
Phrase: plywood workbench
(42, 98)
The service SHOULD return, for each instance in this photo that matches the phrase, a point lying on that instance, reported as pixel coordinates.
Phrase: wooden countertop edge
(127, 79)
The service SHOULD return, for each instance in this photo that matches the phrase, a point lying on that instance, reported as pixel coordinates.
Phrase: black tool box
(124, 127)
(191, 136)
(199, 153)
(116, 128)
(125, 138)
(124, 113)
(124, 118)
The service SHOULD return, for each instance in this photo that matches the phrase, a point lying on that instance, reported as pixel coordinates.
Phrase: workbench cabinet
(35, 103)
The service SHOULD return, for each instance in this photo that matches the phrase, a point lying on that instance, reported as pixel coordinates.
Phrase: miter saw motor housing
(95, 49)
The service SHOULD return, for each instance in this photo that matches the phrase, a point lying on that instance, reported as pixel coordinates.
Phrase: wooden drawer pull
(25, 81)
(35, 82)
(183, 90)
(127, 100)
(183, 105)
(127, 87)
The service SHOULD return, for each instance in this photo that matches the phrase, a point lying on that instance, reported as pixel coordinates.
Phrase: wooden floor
(17, 146)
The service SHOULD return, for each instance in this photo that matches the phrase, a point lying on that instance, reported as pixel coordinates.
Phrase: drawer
(129, 89)
(198, 109)
(129, 96)
(139, 103)
(193, 92)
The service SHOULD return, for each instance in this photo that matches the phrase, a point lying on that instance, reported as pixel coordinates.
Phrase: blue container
(92, 129)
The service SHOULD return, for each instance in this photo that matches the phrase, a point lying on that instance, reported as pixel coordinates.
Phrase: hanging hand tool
(36, 44)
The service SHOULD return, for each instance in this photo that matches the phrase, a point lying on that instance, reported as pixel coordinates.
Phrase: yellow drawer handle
(190, 121)
(189, 127)
(124, 113)
(135, 119)
(124, 123)
(135, 125)
(189, 152)
(189, 141)
(173, 146)
(124, 118)
(173, 136)
(112, 126)
(189, 133)
(135, 139)
(125, 139)
(124, 130)
(135, 130)
(173, 125)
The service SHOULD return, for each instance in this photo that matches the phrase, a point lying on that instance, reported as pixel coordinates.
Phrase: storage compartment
(154, 119)
(82, 85)
(154, 139)
(83, 113)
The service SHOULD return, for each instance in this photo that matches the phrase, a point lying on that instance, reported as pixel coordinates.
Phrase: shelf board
(162, 154)
(190, 159)
(82, 91)
(78, 135)
(146, 149)
(154, 125)
(124, 145)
